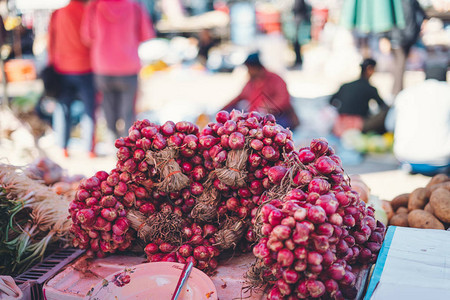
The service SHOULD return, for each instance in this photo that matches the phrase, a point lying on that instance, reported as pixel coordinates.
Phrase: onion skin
(86, 216)
(315, 288)
(290, 276)
(319, 146)
(109, 214)
(113, 179)
(306, 156)
(314, 258)
(284, 287)
(256, 145)
(319, 186)
(261, 251)
(275, 217)
(208, 141)
(168, 128)
(222, 116)
(285, 257)
(201, 253)
(185, 250)
(274, 244)
(325, 165)
(317, 215)
(281, 232)
(296, 194)
(276, 174)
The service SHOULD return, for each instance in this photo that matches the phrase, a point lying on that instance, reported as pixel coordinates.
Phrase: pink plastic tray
(75, 281)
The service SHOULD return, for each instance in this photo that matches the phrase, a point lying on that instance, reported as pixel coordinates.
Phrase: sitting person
(265, 92)
(422, 123)
(352, 101)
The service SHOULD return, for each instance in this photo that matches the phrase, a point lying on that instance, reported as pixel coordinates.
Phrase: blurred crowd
(93, 55)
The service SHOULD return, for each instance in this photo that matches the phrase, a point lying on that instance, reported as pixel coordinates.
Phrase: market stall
(255, 217)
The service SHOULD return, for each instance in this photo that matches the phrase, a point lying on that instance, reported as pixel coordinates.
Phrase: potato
(422, 219)
(439, 178)
(387, 207)
(399, 220)
(444, 185)
(440, 202)
(401, 210)
(428, 208)
(418, 199)
(400, 201)
(359, 186)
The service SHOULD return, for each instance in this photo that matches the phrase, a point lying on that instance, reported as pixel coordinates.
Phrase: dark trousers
(297, 46)
(375, 123)
(119, 98)
(400, 56)
(76, 87)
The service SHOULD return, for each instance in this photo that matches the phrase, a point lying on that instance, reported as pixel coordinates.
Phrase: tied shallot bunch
(264, 139)
(187, 195)
(98, 215)
(197, 247)
(239, 149)
(149, 163)
(221, 162)
(150, 151)
(313, 229)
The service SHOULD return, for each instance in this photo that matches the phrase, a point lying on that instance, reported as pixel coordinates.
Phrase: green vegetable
(32, 217)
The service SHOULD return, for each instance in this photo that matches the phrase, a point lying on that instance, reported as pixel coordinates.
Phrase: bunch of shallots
(99, 216)
(187, 195)
(313, 227)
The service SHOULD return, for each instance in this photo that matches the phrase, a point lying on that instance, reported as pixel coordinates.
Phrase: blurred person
(403, 39)
(352, 102)
(3, 33)
(71, 59)
(3, 41)
(205, 43)
(422, 122)
(300, 10)
(319, 17)
(114, 29)
(23, 39)
(265, 92)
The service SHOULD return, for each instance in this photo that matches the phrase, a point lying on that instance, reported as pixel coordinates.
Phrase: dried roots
(171, 177)
(159, 226)
(231, 233)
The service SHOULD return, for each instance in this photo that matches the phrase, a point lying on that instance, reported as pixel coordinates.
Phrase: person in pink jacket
(114, 29)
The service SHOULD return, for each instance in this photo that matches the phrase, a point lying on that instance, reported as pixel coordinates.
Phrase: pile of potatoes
(427, 207)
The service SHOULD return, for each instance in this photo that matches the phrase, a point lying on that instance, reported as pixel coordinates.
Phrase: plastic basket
(32, 280)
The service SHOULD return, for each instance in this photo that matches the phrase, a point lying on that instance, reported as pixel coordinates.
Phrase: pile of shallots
(312, 228)
(180, 193)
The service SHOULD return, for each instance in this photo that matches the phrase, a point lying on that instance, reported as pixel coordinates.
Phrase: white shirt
(422, 124)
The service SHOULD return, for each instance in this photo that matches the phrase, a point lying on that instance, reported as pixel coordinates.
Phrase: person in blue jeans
(70, 58)
(76, 87)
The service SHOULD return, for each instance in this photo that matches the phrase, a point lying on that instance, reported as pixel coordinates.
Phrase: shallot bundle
(197, 246)
(151, 150)
(220, 164)
(187, 195)
(239, 148)
(99, 218)
(314, 231)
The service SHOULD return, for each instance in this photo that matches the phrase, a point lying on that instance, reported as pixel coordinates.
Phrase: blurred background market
(194, 66)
